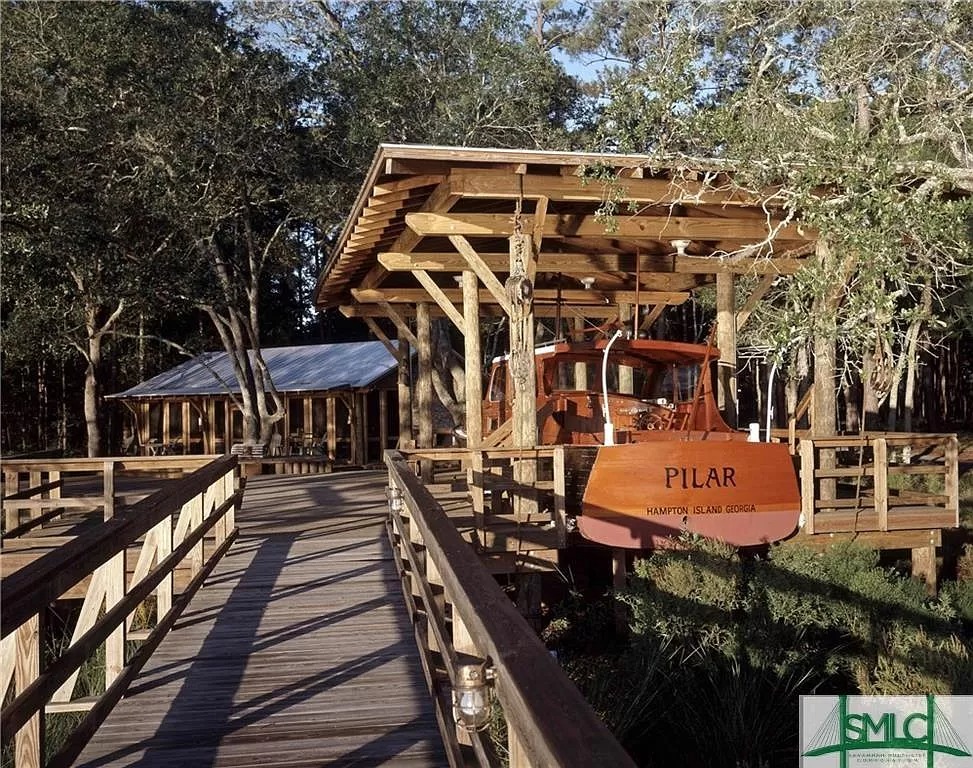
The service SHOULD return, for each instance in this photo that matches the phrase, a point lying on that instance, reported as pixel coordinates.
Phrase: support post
(726, 341)
(383, 422)
(471, 348)
(424, 390)
(332, 407)
(29, 739)
(405, 393)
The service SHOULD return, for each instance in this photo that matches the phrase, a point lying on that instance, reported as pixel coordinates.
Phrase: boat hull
(645, 495)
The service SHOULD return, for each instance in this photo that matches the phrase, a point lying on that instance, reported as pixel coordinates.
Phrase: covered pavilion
(583, 238)
(337, 400)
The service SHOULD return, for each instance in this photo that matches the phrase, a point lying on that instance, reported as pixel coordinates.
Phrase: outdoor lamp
(472, 695)
(395, 499)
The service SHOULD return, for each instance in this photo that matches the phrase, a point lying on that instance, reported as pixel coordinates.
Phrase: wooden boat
(657, 458)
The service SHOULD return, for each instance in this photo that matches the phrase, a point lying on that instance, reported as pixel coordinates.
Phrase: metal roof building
(336, 399)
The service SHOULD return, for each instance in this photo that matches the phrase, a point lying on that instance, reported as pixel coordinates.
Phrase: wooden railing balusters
(205, 501)
(548, 722)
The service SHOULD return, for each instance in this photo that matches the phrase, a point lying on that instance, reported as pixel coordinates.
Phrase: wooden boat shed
(337, 399)
(468, 233)
(594, 241)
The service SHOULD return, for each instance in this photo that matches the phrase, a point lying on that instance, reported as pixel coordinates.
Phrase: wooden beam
(593, 312)
(485, 273)
(577, 297)
(582, 263)
(380, 334)
(441, 199)
(571, 187)
(649, 320)
(636, 227)
(440, 297)
(401, 185)
(758, 293)
(401, 325)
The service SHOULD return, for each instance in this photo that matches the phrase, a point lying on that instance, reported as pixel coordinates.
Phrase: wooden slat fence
(170, 525)
(460, 615)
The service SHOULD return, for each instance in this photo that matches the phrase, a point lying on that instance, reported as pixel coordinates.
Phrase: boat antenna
(702, 372)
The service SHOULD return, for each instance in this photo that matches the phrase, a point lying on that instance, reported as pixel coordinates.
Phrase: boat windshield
(644, 379)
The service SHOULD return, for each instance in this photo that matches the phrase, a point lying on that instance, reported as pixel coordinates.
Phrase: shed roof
(307, 368)
(425, 214)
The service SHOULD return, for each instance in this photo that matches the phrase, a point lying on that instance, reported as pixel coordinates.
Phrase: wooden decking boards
(297, 651)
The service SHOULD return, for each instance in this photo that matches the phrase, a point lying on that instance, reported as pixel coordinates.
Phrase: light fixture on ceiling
(681, 246)
(587, 282)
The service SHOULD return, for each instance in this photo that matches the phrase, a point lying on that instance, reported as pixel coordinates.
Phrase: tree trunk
(91, 394)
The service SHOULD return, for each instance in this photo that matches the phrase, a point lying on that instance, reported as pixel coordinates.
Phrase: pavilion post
(473, 354)
(726, 341)
(405, 393)
(424, 390)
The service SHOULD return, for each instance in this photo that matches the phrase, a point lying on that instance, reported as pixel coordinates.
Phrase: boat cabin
(653, 389)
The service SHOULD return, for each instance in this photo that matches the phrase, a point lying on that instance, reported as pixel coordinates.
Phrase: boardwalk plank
(297, 652)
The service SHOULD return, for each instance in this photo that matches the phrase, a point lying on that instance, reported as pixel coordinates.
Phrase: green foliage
(857, 116)
(721, 647)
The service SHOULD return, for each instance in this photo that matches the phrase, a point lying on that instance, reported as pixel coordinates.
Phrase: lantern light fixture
(473, 696)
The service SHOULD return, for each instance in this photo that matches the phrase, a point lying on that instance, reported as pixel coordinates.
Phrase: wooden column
(29, 739)
(186, 431)
(522, 366)
(424, 388)
(383, 422)
(308, 421)
(726, 341)
(363, 425)
(332, 427)
(166, 438)
(405, 393)
(473, 354)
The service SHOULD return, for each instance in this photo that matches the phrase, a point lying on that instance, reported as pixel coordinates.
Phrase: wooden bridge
(334, 631)
(353, 612)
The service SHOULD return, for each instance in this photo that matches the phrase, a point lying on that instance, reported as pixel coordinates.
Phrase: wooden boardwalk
(297, 652)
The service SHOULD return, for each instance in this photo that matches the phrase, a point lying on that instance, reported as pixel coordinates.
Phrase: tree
(860, 114)
(81, 249)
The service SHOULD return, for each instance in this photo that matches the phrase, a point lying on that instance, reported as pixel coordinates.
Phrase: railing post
(11, 485)
(114, 594)
(163, 547)
(196, 520)
(108, 478)
(231, 484)
(462, 643)
(806, 448)
(517, 756)
(435, 582)
(880, 460)
(951, 480)
(28, 743)
(560, 495)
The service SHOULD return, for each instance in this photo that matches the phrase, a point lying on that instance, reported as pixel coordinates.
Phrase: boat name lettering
(700, 477)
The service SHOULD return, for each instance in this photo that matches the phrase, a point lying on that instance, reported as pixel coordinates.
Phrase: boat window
(573, 375)
(678, 384)
(498, 383)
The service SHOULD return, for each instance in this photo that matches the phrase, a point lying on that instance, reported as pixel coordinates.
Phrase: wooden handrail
(546, 715)
(23, 593)
(205, 501)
